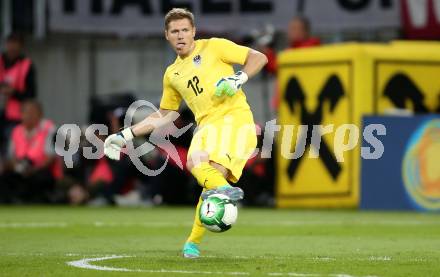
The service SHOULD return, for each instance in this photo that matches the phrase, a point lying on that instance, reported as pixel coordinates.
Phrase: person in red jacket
(17, 83)
(32, 165)
(298, 36)
(299, 33)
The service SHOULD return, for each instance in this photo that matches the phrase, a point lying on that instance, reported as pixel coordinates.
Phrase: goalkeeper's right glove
(114, 143)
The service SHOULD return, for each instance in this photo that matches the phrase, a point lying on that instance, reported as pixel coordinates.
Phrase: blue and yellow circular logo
(421, 166)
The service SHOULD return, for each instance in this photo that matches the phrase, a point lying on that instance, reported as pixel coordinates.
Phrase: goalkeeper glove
(114, 143)
(230, 85)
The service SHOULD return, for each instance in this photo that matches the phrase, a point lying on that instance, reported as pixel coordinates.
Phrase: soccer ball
(218, 213)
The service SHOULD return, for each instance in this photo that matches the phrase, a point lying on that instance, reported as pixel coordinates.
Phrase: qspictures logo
(225, 136)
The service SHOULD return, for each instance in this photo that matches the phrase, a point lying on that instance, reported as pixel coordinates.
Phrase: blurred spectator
(32, 166)
(298, 36)
(17, 83)
(299, 33)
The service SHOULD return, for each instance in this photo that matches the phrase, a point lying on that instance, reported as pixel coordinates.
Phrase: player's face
(31, 115)
(180, 34)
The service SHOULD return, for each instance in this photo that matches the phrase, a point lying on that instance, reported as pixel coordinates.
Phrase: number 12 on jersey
(194, 84)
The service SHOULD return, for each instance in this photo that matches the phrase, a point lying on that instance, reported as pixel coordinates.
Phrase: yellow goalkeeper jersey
(193, 79)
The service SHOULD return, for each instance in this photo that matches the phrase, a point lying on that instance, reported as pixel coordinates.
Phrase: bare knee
(196, 158)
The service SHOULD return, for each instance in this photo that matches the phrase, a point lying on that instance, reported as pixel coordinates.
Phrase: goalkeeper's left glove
(230, 85)
(114, 143)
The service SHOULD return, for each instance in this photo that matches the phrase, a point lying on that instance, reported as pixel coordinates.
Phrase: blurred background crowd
(63, 62)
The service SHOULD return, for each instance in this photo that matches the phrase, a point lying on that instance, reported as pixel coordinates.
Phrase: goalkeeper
(203, 76)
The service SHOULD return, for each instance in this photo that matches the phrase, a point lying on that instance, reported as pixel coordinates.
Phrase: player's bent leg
(212, 176)
(207, 176)
(234, 193)
(191, 249)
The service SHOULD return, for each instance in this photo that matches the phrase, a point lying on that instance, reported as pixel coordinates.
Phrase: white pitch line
(145, 224)
(85, 264)
(338, 222)
(33, 224)
(294, 274)
(384, 258)
(325, 259)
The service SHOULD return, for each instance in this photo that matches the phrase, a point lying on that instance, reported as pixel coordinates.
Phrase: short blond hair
(176, 14)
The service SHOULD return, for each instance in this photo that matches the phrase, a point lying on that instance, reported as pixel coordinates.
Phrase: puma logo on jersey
(176, 73)
(229, 157)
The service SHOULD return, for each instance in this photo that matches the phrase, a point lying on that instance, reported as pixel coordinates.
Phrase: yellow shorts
(229, 141)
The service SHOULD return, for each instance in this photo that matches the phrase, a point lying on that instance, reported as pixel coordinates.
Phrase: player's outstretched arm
(230, 85)
(114, 143)
(155, 120)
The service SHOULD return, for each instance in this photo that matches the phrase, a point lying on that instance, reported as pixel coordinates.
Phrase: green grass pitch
(41, 241)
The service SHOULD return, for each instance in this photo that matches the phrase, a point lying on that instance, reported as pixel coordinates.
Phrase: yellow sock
(207, 176)
(198, 230)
